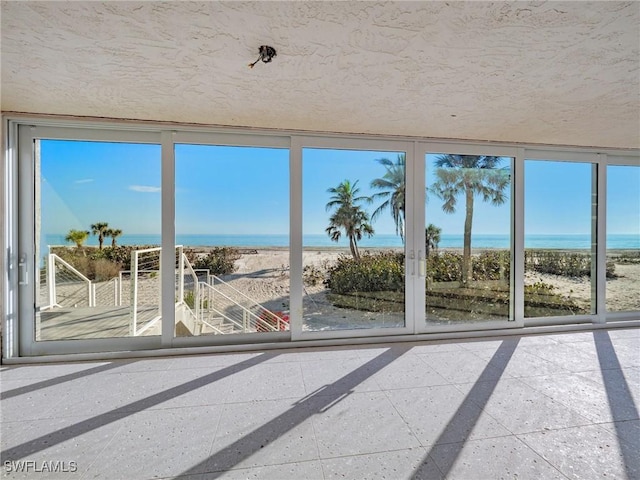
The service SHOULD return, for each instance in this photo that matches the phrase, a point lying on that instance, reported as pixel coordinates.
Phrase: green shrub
(94, 267)
(488, 265)
(444, 266)
(219, 261)
(625, 258)
(568, 264)
(312, 275)
(492, 265)
(375, 272)
(540, 288)
(103, 269)
(105, 264)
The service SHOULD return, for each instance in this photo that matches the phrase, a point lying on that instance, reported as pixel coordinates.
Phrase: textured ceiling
(536, 72)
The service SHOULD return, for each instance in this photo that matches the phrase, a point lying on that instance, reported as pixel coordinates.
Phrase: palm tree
(348, 216)
(393, 186)
(469, 175)
(113, 233)
(100, 229)
(431, 238)
(77, 236)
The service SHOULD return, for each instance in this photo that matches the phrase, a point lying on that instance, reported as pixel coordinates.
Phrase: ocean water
(628, 241)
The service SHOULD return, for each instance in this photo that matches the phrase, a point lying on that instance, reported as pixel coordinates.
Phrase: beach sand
(263, 275)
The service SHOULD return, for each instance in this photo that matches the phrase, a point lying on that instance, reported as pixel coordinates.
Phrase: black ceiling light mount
(266, 55)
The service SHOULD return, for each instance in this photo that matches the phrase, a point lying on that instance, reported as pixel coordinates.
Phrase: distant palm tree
(100, 229)
(77, 236)
(469, 175)
(348, 216)
(431, 238)
(113, 233)
(393, 186)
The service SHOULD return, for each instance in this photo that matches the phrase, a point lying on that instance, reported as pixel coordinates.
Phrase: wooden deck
(91, 322)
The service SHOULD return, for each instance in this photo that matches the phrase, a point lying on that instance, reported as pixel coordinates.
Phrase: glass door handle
(422, 264)
(412, 257)
(23, 275)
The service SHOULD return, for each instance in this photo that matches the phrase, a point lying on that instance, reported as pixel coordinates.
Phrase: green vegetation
(105, 264)
(393, 186)
(348, 216)
(77, 236)
(113, 233)
(219, 261)
(431, 238)
(470, 176)
(568, 264)
(370, 273)
(376, 283)
(100, 229)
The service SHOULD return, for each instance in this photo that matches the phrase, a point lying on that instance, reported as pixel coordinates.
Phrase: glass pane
(232, 233)
(353, 239)
(623, 238)
(468, 238)
(559, 233)
(98, 228)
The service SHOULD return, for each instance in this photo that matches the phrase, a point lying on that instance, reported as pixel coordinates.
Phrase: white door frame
(517, 226)
(299, 143)
(27, 208)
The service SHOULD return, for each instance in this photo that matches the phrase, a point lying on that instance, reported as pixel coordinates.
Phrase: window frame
(19, 132)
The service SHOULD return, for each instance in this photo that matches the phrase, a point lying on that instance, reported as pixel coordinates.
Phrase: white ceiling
(536, 72)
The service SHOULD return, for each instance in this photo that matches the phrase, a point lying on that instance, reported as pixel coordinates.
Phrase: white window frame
(18, 207)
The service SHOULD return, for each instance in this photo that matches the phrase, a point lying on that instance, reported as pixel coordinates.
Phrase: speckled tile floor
(531, 407)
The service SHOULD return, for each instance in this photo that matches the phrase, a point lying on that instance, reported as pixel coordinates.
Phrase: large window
(97, 225)
(560, 207)
(623, 238)
(467, 238)
(232, 240)
(123, 239)
(353, 239)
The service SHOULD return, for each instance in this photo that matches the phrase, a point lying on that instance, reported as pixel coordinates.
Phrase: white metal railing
(144, 315)
(216, 302)
(75, 288)
(254, 313)
(195, 293)
(210, 301)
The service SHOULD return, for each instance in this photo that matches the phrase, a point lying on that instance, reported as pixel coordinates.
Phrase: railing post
(92, 294)
(51, 280)
(196, 305)
(134, 294)
(160, 284)
(181, 275)
(119, 304)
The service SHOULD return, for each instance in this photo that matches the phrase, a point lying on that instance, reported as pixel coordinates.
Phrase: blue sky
(238, 190)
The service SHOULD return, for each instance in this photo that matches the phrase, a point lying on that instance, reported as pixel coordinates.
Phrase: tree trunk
(354, 248)
(466, 251)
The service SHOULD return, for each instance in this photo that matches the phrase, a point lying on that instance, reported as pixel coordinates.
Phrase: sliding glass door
(232, 240)
(355, 224)
(623, 236)
(90, 239)
(560, 238)
(466, 240)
